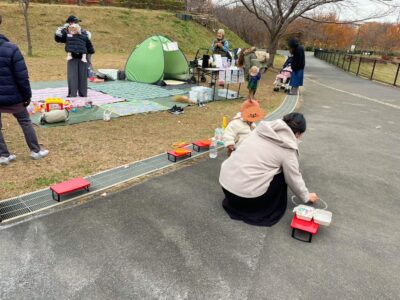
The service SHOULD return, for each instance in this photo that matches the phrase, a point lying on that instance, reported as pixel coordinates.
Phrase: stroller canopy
(156, 58)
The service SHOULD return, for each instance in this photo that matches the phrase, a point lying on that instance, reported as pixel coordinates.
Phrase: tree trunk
(28, 31)
(272, 47)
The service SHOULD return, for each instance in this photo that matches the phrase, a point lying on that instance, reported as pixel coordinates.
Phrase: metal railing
(371, 68)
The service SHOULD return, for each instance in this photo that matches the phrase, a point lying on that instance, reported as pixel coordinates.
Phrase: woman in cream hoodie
(254, 178)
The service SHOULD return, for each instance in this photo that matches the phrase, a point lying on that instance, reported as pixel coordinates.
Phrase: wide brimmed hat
(253, 114)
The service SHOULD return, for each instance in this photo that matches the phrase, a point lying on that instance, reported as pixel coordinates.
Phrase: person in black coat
(61, 33)
(77, 43)
(298, 64)
(77, 68)
(15, 96)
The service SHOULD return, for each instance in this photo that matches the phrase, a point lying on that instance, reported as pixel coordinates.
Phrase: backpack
(121, 75)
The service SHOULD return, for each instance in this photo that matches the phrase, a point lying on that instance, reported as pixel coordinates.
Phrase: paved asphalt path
(169, 238)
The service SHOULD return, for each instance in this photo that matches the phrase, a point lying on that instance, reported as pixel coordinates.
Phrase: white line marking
(355, 95)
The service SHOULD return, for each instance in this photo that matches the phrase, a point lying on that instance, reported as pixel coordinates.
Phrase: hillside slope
(115, 30)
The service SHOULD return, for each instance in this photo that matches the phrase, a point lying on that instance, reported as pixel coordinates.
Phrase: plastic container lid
(322, 217)
(304, 212)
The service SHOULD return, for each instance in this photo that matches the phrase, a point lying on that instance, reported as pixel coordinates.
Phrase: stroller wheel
(193, 80)
(203, 79)
(276, 89)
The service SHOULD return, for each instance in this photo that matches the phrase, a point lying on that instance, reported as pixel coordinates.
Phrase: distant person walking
(298, 64)
(77, 67)
(15, 96)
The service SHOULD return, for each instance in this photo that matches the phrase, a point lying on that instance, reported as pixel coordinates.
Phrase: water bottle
(213, 148)
(219, 136)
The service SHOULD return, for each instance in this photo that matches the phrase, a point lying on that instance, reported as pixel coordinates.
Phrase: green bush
(309, 48)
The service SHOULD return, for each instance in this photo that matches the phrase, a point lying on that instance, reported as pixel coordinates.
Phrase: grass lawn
(87, 148)
(384, 72)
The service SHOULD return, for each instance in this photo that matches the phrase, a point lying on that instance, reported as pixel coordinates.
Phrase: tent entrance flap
(175, 65)
(156, 58)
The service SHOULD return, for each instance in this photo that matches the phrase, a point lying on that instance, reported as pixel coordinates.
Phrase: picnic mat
(81, 115)
(133, 107)
(168, 102)
(96, 97)
(48, 84)
(134, 91)
(118, 109)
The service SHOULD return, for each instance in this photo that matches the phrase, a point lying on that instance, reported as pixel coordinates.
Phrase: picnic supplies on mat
(54, 116)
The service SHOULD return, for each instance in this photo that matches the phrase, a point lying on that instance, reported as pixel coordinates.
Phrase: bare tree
(277, 15)
(24, 4)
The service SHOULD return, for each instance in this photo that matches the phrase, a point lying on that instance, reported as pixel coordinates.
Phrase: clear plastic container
(304, 212)
(322, 217)
(213, 149)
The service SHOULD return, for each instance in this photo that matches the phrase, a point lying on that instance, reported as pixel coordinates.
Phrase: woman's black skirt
(265, 210)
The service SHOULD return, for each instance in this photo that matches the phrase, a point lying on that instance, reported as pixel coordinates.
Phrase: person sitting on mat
(254, 178)
(242, 124)
(220, 45)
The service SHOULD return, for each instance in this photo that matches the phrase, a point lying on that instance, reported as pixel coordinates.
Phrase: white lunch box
(304, 212)
(322, 217)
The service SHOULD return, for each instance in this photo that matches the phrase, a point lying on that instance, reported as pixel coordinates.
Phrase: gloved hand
(26, 103)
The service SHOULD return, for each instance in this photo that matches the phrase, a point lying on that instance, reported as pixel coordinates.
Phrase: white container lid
(304, 212)
(322, 217)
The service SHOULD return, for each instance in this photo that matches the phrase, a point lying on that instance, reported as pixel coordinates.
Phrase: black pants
(77, 78)
(265, 210)
(27, 128)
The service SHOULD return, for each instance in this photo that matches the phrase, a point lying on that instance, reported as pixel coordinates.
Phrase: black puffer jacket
(299, 60)
(14, 80)
(76, 43)
(61, 37)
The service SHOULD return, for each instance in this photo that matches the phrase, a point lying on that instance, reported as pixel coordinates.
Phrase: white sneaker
(4, 161)
(12, 157)
(39, 155)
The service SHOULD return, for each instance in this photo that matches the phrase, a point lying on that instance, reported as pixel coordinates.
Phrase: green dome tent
(156, 58)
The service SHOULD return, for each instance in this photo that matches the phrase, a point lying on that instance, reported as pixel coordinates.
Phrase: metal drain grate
(13, 208)
(32, 202)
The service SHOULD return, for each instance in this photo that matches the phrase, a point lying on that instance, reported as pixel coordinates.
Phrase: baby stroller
(199, 61)
(282, 79)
